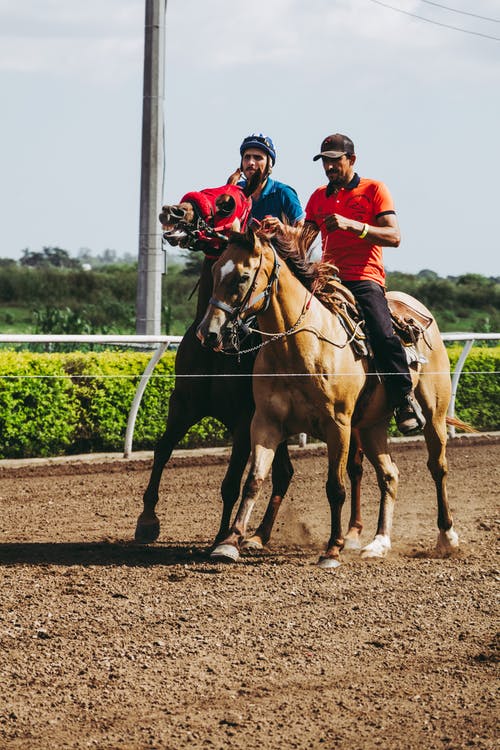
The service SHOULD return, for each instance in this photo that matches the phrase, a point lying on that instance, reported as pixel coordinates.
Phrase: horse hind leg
(374, 442)
(282, 473)
(435, 438)
(338, 441)
(355, 473)
(335, 491)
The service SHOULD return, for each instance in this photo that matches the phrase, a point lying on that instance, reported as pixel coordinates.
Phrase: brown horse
(209, 383)
(307, 378)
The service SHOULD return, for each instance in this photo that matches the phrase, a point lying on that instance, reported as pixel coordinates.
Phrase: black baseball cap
(334, 146)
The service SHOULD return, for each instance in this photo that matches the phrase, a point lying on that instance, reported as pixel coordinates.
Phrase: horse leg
(262, 457)
(435, 438)
(374, 441)
(282, 473)
(355, 472)
(180, 419)
(338, 450)
(230, 488)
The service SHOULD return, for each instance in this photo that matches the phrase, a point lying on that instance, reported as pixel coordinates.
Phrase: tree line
(59, 294)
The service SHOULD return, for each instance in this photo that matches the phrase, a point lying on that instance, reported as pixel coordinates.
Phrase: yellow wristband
(364, 232)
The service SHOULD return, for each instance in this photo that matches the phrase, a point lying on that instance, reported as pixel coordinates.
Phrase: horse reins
(240, 325)
(236, 313)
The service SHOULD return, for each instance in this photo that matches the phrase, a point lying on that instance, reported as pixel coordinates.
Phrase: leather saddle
(409, 323)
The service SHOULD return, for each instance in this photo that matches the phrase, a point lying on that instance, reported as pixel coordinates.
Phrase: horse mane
(292, 245)
(319, 277)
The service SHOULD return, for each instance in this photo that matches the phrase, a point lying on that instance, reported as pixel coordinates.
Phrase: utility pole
(151, 258)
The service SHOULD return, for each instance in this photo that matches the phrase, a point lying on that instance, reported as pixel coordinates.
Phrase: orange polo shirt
(364, 200)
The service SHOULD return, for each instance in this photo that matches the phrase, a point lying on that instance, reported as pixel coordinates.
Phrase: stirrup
(409, 416)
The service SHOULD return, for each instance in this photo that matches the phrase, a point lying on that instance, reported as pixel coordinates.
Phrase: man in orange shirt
(356, 218)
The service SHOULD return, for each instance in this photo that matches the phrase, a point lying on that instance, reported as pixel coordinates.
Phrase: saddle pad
(403, 310)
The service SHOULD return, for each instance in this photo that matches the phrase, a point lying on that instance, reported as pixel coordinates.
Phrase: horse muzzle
(212, 341)
(172, 215)
(174, 235)
(209, 339)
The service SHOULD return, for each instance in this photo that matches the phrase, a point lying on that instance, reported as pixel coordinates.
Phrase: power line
(462, 12)
(436, 23)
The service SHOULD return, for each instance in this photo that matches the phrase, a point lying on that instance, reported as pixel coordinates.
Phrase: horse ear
(234, 178)
(252, 240)
(236, 226)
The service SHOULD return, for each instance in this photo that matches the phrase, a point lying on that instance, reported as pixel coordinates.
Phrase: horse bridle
(193, 229)
(240, 316)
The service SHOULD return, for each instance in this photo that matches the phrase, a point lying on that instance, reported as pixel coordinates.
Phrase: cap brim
(329, 155)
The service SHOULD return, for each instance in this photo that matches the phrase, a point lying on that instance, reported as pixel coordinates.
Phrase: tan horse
(308, 379)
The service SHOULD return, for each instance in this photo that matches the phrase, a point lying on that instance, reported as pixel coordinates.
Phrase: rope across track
(173, 376)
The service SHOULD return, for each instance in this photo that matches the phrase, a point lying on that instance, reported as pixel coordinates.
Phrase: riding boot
(408, 415)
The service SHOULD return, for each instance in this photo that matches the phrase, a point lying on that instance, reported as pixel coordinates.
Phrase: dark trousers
(390, 357)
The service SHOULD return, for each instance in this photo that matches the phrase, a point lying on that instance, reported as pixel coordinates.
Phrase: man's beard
(337, 181)
(264, 174)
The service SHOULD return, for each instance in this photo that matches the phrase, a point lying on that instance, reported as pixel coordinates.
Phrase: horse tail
(454, 422)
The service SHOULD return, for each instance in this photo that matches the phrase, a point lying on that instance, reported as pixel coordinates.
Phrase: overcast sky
(421, 102)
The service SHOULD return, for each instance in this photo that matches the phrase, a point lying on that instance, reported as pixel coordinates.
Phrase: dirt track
(109, 645)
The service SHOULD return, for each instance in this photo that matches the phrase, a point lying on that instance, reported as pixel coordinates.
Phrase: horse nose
(209, 336)
(211, 341)
(165, 215)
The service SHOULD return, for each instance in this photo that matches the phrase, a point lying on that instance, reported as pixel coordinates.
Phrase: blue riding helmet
(258, 140)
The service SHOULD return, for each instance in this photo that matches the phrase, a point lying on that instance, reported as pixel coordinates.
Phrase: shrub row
(58, 403)
(478, 394)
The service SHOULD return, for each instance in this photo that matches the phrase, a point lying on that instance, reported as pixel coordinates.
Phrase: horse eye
(244, 279)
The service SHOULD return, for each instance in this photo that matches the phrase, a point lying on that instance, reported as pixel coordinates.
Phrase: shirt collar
(350, 186)
(268, 187)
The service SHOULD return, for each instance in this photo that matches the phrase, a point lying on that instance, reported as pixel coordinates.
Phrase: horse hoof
(252, 544)
(225, 553)
(145, 533)
(352, 543)
(378, 548)
(447, 541)
(328, 563)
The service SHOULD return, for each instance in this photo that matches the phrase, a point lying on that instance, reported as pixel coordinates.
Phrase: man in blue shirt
(272, 198)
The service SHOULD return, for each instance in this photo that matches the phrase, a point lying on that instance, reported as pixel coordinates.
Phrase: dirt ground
(107, 644)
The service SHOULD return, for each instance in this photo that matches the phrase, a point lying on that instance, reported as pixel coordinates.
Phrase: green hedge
(55, 404)
(478, 394)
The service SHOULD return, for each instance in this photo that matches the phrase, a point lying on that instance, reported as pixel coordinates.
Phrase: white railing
(160, 344)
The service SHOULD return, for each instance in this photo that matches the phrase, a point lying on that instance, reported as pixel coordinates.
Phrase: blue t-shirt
(277, 199)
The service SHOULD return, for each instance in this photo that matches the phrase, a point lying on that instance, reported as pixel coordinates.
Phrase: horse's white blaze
(227, 268)
(447, 541)
(378, 548)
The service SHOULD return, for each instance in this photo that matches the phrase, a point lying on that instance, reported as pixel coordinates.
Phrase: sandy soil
(110, 645)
